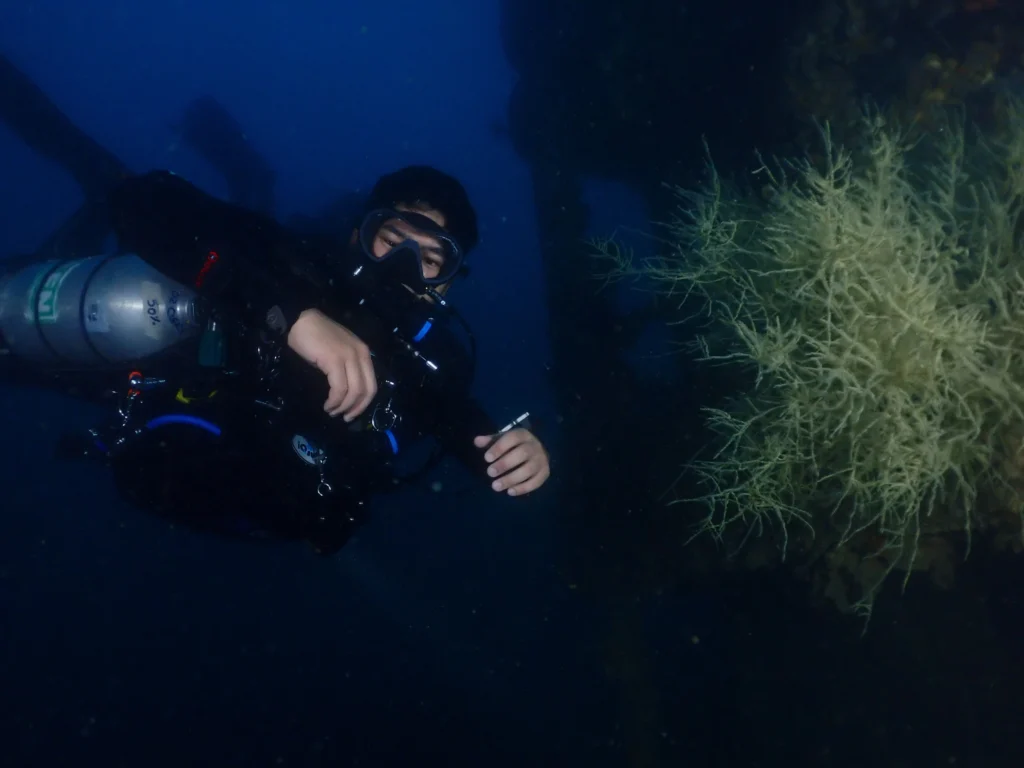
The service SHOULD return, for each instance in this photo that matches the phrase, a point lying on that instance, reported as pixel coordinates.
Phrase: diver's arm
(459, 421)
(246, 263)
(445, 407)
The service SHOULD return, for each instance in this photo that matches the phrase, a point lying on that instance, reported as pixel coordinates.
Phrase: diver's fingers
(513, 479)
(337, 380)
(502, 444)
(353, 388)
(514, 459)
(368, 384)
(527, 478)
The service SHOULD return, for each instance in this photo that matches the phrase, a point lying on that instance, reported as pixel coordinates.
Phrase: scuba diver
(265, 382)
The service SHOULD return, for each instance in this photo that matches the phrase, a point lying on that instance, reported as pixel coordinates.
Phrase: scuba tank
(93, 312)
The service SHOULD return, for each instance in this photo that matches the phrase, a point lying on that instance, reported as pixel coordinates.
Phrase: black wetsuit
(224, 459)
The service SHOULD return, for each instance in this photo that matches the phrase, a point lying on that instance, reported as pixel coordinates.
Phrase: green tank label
(46, 306)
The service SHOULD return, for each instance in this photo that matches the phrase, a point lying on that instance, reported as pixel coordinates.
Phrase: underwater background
(570, 628)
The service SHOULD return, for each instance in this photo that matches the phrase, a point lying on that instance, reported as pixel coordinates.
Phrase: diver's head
(423, 213)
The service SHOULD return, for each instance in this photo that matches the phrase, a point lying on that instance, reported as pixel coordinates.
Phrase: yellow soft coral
(879, 299)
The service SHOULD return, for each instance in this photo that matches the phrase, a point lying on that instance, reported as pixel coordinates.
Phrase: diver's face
(393, 232)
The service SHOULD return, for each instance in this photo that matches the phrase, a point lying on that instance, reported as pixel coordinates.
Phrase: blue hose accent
(423, 331)
(181, 418)
(393, 440)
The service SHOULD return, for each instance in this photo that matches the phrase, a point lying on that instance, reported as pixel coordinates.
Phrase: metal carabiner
(323, 487)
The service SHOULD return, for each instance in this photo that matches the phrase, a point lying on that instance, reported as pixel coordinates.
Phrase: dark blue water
(447, 632)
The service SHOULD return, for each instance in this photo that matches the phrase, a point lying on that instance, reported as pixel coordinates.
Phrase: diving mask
(408, 241)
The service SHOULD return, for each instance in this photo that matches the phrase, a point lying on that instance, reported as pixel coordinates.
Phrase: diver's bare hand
(342, 357)
(517, 458)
